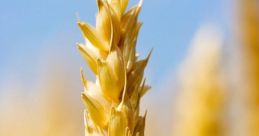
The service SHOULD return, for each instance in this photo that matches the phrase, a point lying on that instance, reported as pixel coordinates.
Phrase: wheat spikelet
(250, 49)
(112, 102)
(201, 100)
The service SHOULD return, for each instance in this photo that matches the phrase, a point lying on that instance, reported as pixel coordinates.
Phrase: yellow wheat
(250, 48)
(201, 98)
(112, 102)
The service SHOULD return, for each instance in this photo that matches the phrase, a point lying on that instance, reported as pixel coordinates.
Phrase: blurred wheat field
(205, 99)
(49, 111)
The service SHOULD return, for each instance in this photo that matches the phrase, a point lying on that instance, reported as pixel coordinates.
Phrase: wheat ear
(112, 102)
(201, 101)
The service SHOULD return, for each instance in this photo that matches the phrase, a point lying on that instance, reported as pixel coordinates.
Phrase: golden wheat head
(112, 102)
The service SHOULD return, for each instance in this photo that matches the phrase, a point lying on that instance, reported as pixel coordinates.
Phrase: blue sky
(28, 27)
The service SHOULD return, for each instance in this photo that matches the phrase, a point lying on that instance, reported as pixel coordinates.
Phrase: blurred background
(204, 70)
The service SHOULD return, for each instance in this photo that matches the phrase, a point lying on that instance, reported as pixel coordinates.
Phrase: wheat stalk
(112, 102)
